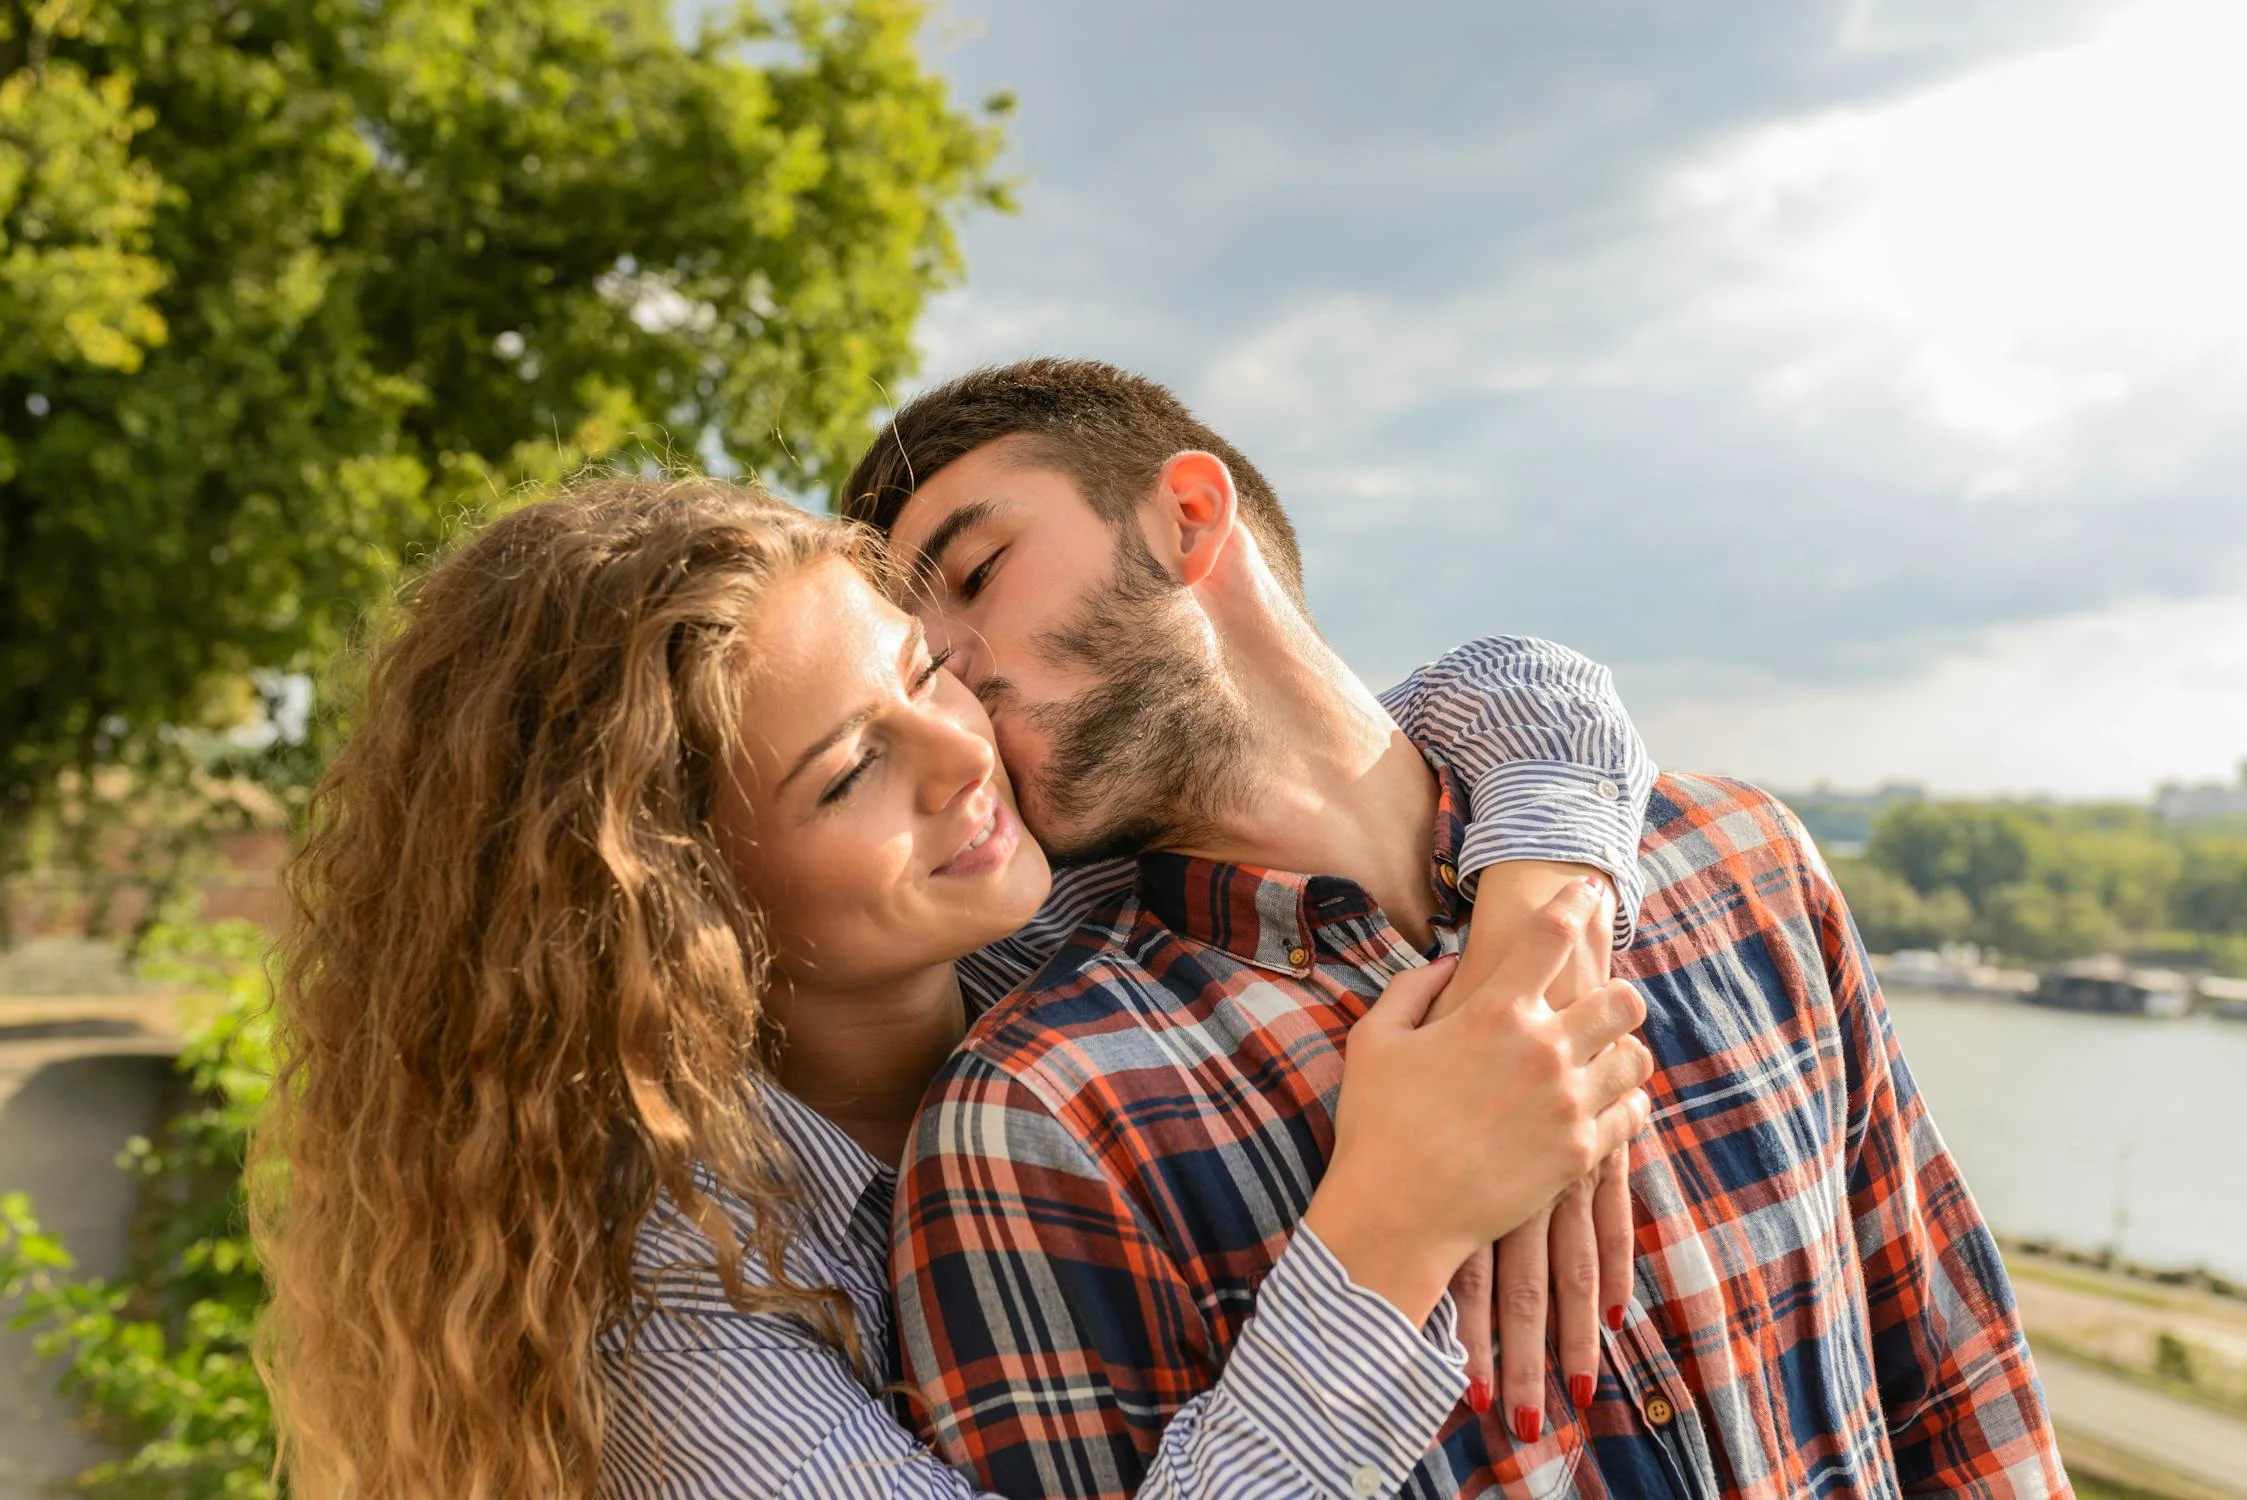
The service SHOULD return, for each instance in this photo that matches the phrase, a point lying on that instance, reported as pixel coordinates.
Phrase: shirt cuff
(1555, 810)
(1338, 1380)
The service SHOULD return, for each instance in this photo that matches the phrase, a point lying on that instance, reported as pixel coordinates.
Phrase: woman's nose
(960, 762)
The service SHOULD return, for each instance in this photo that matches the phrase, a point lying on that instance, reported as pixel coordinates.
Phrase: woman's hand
(1570, 1267)
(1452, 1132)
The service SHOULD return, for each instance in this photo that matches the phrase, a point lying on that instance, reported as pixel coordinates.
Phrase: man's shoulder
(1693, 821)
(1079, 1015)
(1718, 851)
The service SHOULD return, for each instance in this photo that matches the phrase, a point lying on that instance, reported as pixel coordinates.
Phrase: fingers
(1617, 1126)
(1574, 1254)
(1597, 1021)
(1551, 938)
(1588, 963)
(1470, 1289)
(1404, 1004)
(1611, 1227)
(1522, 1282)
(1617, 1071)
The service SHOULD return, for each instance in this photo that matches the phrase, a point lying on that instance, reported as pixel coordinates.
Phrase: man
(1106, 1168)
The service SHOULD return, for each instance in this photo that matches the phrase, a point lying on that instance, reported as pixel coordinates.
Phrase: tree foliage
(284, 284)
(2044, 882)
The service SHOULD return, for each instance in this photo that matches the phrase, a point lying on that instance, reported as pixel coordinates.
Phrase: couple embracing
(980, 999)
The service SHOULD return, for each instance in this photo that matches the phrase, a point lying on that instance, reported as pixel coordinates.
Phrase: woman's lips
(990, 848)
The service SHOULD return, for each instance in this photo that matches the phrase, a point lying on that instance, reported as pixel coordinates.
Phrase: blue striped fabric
(1328, 1391)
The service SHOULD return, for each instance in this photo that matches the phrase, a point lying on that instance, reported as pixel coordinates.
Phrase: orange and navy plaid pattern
(1120, 1151)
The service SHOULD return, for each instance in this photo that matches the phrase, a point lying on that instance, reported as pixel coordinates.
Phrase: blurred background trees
(2040, 882)
(287, 287)
(287, 284)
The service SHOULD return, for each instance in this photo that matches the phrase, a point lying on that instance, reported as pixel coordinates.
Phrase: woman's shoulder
(679, 1297)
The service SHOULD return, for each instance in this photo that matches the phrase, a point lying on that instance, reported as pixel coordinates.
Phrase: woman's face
(872, 824)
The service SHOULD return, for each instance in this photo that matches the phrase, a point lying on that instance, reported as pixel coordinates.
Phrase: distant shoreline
(2192, 1278)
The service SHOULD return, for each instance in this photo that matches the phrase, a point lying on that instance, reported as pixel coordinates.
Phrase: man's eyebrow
(928, 561)
(916, 637)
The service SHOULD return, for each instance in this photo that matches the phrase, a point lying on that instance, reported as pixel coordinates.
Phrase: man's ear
(1195, 511)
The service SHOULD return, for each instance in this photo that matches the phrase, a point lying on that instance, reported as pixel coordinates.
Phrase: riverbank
(2146, 1372)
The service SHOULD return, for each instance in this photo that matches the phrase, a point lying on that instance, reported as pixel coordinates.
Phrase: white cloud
(2035, 234)
(1819, 404)
(2102, 704)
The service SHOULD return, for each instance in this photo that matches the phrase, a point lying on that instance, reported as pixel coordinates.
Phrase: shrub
(161, 1356)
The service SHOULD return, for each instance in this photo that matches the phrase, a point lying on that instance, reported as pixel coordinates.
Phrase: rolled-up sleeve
(1554, 767)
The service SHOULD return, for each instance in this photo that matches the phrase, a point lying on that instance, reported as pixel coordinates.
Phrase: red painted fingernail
(1478, 1395)
(1615, 1318)
(1528, 1423)
(1580, 1389)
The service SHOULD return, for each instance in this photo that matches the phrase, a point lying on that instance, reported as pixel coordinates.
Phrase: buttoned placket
(1654, 1387)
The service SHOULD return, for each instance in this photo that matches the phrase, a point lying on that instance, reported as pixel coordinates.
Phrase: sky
(1862, 380)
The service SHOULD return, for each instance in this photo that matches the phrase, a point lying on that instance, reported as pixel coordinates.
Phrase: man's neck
(864, 1057)
(1332, 786)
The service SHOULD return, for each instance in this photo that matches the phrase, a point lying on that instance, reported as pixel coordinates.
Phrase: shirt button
(1659, 1411)
(1365, 1480)
(1608, 790)
(1449, 873)
(1298, 957)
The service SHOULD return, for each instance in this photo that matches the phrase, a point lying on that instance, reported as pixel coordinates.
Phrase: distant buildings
(2180, 802)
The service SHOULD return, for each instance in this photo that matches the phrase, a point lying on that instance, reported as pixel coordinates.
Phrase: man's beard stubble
(1158, 751)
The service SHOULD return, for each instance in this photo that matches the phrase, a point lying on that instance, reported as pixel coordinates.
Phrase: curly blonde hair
(521, 997)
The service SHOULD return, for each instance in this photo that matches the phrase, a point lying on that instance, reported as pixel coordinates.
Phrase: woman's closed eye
(928, 673)
(841, 786)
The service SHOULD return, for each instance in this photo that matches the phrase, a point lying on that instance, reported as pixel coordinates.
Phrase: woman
(553, 1192)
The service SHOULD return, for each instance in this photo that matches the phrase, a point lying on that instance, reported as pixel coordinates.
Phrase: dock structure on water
(1954, 969)
(2108, 986)
(2226, 997)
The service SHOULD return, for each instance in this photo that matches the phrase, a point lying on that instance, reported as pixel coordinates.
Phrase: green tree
(1972, 849)
(1891, 915)
(284, 284)
(2032, 920)
(2210, 895)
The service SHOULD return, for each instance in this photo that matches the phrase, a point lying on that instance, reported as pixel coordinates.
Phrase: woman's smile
(991, 847)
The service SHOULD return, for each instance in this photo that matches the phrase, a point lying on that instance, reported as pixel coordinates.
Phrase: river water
(2092, 1130)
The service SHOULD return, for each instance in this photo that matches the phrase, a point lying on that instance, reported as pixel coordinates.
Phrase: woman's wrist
(1408, 1269)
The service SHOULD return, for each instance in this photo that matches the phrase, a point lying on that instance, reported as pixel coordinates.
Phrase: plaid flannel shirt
(1327, 1387)
(1117, 1155)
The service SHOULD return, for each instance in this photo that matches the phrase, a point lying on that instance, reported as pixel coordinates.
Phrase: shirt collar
(1268, 917)
(839, 1175)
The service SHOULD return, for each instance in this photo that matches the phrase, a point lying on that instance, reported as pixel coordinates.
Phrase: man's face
(1094, 666)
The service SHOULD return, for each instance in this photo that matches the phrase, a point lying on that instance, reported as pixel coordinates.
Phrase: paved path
(75, 1082)
(2193, 1440)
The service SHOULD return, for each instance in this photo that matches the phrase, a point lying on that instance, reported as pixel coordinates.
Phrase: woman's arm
(1329, 1391)
(1554, 771)
(1558, 780)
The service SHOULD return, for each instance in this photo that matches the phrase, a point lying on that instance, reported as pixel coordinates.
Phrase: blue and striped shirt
(1328, 1391)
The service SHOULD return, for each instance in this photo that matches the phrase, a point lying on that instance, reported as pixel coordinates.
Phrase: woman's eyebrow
(916, 637)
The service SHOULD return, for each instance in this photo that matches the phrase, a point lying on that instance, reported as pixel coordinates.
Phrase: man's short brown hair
(1109, 430)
